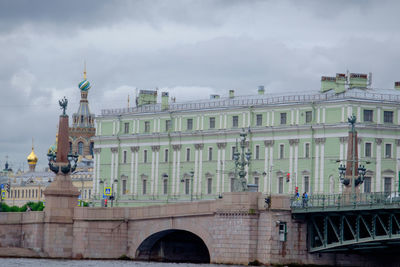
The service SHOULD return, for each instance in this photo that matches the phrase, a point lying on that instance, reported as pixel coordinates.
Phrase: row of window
(368, 117)
(80, 147)
(256, 156)
(25, 193)
(235, 122)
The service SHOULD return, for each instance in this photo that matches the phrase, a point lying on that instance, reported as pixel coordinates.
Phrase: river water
(23, 262)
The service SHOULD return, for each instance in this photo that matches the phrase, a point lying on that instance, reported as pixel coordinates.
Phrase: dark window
(257, 156)
(80, 148)
(167, 125)
(144, 187)
(259, 120)
(82, 119)
(388, 150)
(210, 153)
(189, 124)
(209, 186)
(146, 126)
(166, 155)
(126, 125)
(257, 181)
(212, 122)
(367, 185)
(307, 150)
(144, 156)
(368, 151)
(388, 116)
(123, 187)
(188, 154)
(368, 115)
(187, 188)
(91, 147)
(388, 185)
(235, 121)
(283, 118)
(70, 147)
(125, 156)
(281, 151)
(165, 186)
(306, 183)
(308, 116)
(232, 184)
(280, 189)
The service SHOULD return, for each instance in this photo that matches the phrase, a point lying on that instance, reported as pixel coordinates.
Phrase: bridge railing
(320, 202)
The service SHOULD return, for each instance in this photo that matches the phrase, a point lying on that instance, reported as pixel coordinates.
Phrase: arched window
(91, 148)
(80, 148)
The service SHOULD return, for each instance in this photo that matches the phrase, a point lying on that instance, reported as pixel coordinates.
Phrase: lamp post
(242, 159)
(112, 197)
(101, 182)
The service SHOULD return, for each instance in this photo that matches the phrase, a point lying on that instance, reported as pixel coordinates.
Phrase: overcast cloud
(190, 48)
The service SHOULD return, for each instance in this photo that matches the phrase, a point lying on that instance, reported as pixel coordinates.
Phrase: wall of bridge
(236, 229)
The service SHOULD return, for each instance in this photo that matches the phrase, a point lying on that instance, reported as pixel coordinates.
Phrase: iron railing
(256, 100)
(329, 202)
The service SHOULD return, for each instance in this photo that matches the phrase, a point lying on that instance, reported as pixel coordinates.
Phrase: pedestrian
(305, 199)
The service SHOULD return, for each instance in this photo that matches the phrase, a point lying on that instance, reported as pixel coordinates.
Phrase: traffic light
(297, 189)
(288, 177)
(105, 202)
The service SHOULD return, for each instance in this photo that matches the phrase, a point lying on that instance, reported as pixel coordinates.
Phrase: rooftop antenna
(347, 77)
(84, 69)
(128, 101)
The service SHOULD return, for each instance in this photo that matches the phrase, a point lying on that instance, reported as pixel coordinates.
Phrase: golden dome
(32, 158)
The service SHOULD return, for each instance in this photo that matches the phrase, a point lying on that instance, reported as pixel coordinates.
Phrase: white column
(316, 180)
(220, 121)
(178, 170)
(290, 167)
(349, 111)
(218, 171)
(272, 118)
(180, 123)
(137, 126)
(113, 128)
(266, 170)
(152, 173)
(223, 170)
(323, 115)
(95, 178)
(202, 122)
(248, 119)
(99, 130)
(243, 119)
(359, 113)
(176, 124)
(112, 168)
(136, 172)
(378, 115)
(397, 164)
(398, 118)
(200, 170)
(292, 117)
(174, 178)
(321, 176)
(378, 168)
(133, 126)
(116, 172)
(156, 175)
(98, 172)
(195, 178)
(296, 159)
(132, 172)
(197, 123)
(268, 118)
(318, 115)
(225, 120)
(297, 116)
(271, 164)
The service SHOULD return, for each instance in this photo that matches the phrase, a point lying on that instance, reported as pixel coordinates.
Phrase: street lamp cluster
(242, 159)
(72, 163)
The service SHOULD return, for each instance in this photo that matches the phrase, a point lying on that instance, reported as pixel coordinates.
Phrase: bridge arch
(173, 245)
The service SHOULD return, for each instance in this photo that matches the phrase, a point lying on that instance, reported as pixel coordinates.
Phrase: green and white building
(171, 151)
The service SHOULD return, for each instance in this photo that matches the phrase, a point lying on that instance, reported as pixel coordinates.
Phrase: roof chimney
(397, 85)
(214, 96)
(261, 89)
(231, 93)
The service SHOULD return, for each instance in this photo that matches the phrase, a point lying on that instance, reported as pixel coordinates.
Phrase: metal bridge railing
(314, 203)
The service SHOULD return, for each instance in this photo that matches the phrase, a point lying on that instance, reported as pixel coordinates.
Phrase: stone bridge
(236, 229)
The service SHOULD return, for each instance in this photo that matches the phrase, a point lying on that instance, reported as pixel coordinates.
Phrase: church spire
(84, 70)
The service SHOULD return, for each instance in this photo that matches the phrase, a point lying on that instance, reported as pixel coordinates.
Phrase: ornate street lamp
(242, 159)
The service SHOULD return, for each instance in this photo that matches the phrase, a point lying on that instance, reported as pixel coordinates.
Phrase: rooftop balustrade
(257, 100)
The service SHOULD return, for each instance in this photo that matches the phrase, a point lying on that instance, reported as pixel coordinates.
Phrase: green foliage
(35, 206)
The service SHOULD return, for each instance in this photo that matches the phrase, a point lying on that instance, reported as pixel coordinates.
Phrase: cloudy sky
(190, 48)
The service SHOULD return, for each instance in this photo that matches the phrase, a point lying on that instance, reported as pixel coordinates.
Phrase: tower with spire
(82, 123)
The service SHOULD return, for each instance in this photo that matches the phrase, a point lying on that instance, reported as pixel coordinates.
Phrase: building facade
(169, 152)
